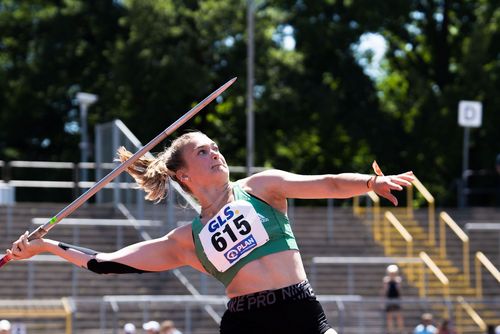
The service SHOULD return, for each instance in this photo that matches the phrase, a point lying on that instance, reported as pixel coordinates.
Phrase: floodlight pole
(250, 84)
(85, 100)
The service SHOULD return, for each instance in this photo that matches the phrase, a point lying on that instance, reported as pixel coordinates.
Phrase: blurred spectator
(168, 327)
(151, 327)
(426, 326)
(491, 329)
(392, 293)
(129, 328)
(445, 328)
(5, 327)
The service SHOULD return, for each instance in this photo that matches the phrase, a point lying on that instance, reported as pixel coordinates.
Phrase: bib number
(232, 234)
(218, 238)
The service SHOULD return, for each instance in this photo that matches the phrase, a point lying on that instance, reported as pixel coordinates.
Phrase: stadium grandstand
(448, 257)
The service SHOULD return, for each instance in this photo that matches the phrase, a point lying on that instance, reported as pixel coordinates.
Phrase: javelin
(44, 229)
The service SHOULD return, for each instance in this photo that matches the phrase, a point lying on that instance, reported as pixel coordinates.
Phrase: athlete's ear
(181, 175)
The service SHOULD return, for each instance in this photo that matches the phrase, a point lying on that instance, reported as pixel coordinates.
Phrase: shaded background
(324, 101)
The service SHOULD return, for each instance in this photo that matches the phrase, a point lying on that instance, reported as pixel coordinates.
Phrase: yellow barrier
(431, 208)
(69, 314)
(375, 212)
(463, 305)
(357, 210)
(437, 272)
(445, 219)
(482, 259)
(390, 218)
(38, 309)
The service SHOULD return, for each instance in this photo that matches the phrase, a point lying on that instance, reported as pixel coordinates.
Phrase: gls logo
(219, 221)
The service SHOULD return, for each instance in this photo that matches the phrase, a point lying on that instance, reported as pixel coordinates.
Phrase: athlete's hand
(24, 249)
(383, 185)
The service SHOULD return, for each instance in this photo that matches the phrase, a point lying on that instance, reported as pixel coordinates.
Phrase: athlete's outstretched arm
(345, 185)
(148, 256)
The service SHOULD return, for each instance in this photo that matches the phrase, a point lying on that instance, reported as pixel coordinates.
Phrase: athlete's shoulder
(267, 177)
(182, 234)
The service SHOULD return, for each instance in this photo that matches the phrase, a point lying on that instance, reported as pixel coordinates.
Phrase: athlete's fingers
(394, 186)
(17, 246)
(22, 243)
(387, 184)
(25, 241)
(408, 176)
(12, 255)
(401, 181)
(391, 198)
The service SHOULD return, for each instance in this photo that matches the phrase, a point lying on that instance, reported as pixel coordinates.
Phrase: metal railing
(437, 272)
(372, 211)
(390, 219)
(431, 207)
(39, 309)
(481, 259)
(375, 209)
(464, 306)
(483, 226)
(351, 261)
(348, 314)
(146, 301)
(490, 230)
(74, 183)
(446, 220)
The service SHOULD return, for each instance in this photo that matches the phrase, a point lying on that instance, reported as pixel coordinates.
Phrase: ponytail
(151, 174)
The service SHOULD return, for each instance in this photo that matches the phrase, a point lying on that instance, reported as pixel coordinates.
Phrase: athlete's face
(204, 163)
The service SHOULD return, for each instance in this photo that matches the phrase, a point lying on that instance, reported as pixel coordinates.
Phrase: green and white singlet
(242, 231)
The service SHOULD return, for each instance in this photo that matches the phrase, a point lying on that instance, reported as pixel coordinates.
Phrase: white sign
(470, 114)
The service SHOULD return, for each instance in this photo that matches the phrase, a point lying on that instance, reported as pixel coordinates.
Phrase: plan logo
(240, 248)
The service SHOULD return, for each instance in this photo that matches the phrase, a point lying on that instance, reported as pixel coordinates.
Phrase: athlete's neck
(213, 201)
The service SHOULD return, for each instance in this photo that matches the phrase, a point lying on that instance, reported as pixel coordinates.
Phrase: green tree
(316, 108)
(446, 51)
(48, 51)
(333, 121)
(175, 54)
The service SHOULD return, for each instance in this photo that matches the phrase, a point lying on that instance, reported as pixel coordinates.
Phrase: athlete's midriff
(270, 272)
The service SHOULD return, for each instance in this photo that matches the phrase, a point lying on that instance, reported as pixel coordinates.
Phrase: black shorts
(392, 304)
(292, 310)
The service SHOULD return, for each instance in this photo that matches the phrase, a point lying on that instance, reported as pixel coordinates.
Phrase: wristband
(378, 172)
(371, 182)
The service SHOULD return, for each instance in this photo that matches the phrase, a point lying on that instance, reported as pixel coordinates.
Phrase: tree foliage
(446, 52)
(316, 109)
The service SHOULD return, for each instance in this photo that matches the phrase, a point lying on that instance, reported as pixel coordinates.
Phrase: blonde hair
(152, 174)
